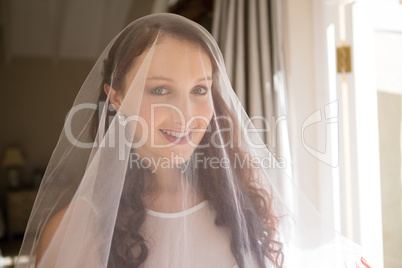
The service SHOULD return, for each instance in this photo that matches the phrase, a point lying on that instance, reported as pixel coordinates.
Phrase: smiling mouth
(177, 137)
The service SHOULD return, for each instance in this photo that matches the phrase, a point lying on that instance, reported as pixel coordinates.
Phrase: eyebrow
(171, 80)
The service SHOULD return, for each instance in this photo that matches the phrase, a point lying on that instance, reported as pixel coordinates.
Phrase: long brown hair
(128, 248)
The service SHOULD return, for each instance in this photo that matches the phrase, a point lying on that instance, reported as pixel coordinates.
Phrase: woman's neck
(171, 192)
(168, 179)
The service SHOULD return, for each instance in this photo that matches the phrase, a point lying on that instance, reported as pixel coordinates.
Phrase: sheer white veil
(166, 170)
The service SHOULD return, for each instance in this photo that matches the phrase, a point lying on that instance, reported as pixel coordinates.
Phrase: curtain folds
(249, 34)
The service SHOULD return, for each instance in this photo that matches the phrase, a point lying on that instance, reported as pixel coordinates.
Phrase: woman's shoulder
(55, 224)
(49, 231)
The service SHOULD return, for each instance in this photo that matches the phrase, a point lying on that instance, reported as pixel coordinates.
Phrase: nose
(183, 111)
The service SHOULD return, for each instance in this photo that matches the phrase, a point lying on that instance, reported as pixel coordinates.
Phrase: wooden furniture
(19, 205)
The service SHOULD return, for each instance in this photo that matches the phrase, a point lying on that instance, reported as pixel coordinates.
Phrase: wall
(36, 96)
(299, 41)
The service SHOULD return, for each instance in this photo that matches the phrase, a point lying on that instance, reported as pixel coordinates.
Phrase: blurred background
(330, 78)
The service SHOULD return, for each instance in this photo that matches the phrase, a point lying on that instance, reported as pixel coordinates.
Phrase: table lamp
(13, 162)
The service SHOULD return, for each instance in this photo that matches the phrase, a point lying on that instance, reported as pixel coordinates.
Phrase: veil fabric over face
(158, 165)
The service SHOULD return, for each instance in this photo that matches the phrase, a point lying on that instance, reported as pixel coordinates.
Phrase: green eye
(200, 91)
(159, 91)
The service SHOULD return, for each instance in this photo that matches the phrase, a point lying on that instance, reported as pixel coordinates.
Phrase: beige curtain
(249, 33)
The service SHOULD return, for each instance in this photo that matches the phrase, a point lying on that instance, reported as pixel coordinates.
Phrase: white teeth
(176, 134)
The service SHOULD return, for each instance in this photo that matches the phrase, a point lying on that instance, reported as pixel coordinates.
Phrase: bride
(159, 166)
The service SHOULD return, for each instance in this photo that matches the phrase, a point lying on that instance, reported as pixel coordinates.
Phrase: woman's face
(176, 101)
